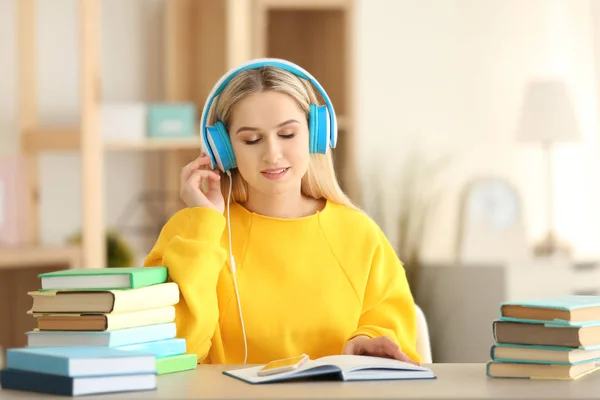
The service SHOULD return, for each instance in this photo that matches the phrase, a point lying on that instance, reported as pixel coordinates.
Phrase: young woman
(289, 265)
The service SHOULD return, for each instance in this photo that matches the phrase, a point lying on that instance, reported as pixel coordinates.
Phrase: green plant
(119, 253)
(419, 196)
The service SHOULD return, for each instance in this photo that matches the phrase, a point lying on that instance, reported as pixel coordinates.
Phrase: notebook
(340, 367)
(104, 278)
(565, 310)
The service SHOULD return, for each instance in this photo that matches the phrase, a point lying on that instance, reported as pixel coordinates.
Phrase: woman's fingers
(196, 177)
(385, 347)
(197, 163)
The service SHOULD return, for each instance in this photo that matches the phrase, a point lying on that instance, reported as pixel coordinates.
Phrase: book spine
(148, 276)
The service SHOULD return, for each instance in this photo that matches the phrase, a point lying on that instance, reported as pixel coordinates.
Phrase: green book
(103, 278)
(182, 362)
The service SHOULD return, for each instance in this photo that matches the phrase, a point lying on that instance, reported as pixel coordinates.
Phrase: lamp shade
(547, 115)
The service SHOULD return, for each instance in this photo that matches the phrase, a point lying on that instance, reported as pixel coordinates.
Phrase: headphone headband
(259, 63)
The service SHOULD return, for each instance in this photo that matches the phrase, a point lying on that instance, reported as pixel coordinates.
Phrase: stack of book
(91, 314)
(549, 338)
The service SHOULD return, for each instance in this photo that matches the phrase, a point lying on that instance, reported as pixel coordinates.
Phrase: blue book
(554, 311)
(119, 337)
(14, 379)
(80, 361)
(159, 348)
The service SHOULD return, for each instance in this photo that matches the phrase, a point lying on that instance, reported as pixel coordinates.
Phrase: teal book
(103, 278)
(80, 361)
(121, 337)
(159, 348)
(532, 354)
(496, 369)
(554, 311)
(179, 363)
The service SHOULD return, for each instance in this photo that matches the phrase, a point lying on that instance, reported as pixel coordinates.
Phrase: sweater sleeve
(388, 306)
(189, 246)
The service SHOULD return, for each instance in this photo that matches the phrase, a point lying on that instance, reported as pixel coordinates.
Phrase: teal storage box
(171, 120)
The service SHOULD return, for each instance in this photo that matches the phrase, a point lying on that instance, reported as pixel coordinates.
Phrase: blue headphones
(322, 122)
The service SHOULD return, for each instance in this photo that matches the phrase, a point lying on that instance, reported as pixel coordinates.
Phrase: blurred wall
(8, 142)
(446, 77)
(442, 76)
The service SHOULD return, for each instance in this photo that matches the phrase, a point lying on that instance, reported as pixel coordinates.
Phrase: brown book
(72, 323)
(568, 308)
(104, 322)
(539, 334)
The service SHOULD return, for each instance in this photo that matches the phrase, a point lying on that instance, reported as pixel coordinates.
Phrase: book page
(352, 362)
(310, 367)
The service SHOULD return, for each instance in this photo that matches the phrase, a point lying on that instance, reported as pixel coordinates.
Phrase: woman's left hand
(378, 347)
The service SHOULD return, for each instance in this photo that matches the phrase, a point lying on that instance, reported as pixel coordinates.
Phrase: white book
(340, 367)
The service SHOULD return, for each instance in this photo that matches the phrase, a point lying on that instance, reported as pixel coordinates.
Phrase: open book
(341, 367)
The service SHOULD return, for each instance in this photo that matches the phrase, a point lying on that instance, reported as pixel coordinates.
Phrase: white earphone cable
(233, 268)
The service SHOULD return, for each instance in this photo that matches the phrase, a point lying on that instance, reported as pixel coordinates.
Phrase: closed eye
(255, 141)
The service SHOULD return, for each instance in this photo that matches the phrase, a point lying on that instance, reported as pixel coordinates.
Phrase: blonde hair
(320, 180)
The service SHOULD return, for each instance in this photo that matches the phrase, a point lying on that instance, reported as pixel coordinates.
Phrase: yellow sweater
(306, 285)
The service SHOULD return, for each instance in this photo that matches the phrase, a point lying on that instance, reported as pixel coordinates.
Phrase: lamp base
(552, 246)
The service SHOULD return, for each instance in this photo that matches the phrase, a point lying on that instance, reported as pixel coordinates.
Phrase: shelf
(40, 256)
(69, 139)
(50, 139)
(153, 144)
(305, 4)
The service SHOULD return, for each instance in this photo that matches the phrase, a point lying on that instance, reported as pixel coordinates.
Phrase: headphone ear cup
(319, 125)
(220, 145)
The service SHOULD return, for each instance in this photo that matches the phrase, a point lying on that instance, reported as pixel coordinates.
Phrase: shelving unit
(40, 256)
(203, 39)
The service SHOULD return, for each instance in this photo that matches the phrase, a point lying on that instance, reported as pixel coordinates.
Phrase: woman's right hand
(191, 180)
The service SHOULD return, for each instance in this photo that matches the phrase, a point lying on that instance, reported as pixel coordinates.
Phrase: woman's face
(270, 139)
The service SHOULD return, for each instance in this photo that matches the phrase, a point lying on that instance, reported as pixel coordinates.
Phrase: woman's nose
(272, 151)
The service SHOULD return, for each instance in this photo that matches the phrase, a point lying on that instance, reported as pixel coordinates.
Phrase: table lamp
(548, 117)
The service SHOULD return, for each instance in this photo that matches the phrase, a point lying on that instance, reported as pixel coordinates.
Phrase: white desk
(454, 381)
